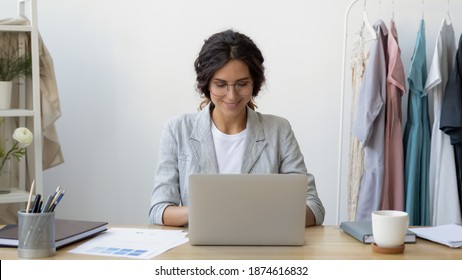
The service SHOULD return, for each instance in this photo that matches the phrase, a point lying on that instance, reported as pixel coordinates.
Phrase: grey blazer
(186, 147)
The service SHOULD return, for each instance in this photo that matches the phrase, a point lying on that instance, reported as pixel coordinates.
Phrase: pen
(35, 206)
(52, 208)
(39, 208)
(30, 196)
(46, 206)
(57, 190)
(56, 195)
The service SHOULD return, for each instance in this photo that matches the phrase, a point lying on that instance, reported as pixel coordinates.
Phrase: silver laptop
(247, 209)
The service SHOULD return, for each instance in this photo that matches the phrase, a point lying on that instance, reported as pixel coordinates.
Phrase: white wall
(125, 67)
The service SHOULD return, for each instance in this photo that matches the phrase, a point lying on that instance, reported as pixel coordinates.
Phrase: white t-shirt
(229, 150)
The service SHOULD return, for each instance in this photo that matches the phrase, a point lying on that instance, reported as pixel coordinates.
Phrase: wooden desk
(321, 243)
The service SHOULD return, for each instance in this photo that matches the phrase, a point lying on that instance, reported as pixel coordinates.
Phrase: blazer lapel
(256, 141)
(202, 142)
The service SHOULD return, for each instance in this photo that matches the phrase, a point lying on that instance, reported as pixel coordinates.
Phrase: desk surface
(321, 243)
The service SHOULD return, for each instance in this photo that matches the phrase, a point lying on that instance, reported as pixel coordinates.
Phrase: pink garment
(393, 180)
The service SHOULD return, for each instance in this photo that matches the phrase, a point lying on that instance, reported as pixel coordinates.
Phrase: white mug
(389, 227)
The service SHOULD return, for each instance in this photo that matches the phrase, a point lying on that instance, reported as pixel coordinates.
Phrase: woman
(226, 135)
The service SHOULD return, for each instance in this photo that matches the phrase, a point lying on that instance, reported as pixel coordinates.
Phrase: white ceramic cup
(389, 227)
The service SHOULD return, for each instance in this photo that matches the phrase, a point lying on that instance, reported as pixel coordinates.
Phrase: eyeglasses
(220, 89)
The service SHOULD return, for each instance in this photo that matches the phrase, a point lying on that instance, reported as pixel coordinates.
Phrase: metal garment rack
(342, 90)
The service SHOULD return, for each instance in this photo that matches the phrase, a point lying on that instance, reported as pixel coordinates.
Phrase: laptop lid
(247, 209)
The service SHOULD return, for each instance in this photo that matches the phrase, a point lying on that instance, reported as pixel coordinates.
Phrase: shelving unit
(30, 117)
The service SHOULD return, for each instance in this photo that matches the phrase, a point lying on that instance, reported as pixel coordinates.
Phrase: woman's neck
(229, 125)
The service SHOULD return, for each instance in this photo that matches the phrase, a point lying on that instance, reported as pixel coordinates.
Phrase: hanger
(367, 24)
(380, 8)
(393, 9)
(448, 17)
(423, 9)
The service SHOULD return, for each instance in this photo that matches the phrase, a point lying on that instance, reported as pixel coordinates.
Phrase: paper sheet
(449, 235)
(132, 243)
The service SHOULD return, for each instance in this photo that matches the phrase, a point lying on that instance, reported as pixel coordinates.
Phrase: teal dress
(417, 138)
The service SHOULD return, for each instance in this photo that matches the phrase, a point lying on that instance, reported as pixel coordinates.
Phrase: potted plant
(13, 64)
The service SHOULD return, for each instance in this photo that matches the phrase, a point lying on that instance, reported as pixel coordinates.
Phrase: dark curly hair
(218, 50)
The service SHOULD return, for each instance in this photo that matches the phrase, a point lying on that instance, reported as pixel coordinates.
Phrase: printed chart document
(132, 243)
(449, 235)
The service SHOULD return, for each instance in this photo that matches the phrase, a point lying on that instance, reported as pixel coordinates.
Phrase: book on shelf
(449, 234)
(362, 231)
(67, 232)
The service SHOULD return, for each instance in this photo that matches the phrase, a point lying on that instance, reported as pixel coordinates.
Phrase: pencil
(30, 196)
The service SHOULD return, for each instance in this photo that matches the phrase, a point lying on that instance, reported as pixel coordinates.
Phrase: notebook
(67, 232)
(247, 209)
(362, 231)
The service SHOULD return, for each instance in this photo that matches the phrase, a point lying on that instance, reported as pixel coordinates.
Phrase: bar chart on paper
(132, 243)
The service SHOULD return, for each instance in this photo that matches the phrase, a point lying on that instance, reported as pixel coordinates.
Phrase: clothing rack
(342, 90)
(342, 96)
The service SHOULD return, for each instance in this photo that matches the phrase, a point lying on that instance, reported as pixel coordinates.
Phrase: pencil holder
(36, 235)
